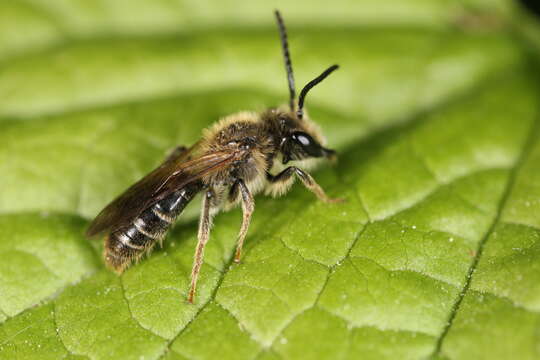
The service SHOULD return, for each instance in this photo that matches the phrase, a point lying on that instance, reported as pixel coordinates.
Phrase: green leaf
(435, 253)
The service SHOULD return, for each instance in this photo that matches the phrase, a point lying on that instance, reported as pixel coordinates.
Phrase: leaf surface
(434, 113)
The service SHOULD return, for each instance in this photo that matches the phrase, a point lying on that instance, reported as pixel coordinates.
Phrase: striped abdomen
(131, 242)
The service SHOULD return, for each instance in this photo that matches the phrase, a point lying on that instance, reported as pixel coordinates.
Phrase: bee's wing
(171, 175)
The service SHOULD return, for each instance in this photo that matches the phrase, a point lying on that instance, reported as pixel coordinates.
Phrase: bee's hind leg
(175, 153)
(281, 182)
(248, 206)
(205, 224)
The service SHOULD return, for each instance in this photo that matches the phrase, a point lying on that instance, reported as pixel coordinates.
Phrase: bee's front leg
(282, 181)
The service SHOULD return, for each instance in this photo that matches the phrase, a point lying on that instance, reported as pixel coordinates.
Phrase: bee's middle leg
(248, 206)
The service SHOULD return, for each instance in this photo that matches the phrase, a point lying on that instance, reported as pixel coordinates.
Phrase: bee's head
(299, 138)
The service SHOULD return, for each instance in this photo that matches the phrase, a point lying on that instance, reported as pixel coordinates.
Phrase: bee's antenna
(287, 57)
(309, 85)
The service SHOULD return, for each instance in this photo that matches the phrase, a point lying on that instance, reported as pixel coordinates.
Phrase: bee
(232, 162)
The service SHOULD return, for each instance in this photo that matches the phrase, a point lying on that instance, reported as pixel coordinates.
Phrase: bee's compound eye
(303, 139)
(308, 144)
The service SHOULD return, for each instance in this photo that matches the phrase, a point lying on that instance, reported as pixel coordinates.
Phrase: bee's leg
(248, 205)
(283, 180)
(205, 224)
(233, 193)
(175, 153)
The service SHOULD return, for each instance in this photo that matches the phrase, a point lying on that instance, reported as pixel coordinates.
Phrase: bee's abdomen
(131, 242)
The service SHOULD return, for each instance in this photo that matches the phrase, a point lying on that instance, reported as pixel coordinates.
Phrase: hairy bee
(232, 162)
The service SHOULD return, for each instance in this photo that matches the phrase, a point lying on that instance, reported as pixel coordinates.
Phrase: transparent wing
(173, 174)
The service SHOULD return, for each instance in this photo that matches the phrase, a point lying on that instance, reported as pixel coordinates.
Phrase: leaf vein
(123, 291)
(526, 149)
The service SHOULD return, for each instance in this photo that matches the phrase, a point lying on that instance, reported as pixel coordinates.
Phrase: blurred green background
(434, 112)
